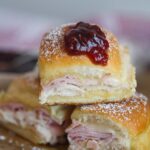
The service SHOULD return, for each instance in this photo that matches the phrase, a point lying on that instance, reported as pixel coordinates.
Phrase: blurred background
(22, 24)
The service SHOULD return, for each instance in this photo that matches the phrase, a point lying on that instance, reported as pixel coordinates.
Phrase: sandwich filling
(83, 136)
(69, 86)
(38, 120)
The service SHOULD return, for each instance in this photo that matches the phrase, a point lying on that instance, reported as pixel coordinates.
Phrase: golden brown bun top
(53, 53)
(133, 113)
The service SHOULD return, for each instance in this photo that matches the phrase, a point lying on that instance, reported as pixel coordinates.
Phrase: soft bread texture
(24, 92)
(90, 83)
(18, 143)
(129, 119)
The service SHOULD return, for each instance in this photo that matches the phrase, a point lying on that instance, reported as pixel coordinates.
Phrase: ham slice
(80, 133)
(63, 86)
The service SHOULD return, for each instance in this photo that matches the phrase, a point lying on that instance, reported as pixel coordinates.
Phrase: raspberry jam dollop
(86, 39)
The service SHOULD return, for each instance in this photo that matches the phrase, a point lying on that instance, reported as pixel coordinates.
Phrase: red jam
(86, 39)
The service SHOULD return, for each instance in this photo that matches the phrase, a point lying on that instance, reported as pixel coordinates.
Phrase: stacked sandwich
(84, 65)
(85, 88)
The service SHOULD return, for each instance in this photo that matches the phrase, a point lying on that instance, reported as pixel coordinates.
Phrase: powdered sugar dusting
(52, 43)
(121, 110)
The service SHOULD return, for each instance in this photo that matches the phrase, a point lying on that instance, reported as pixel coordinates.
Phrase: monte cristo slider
(83, 63)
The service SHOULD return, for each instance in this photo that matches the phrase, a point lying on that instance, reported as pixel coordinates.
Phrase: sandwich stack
(85, 65)
(85, 88)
